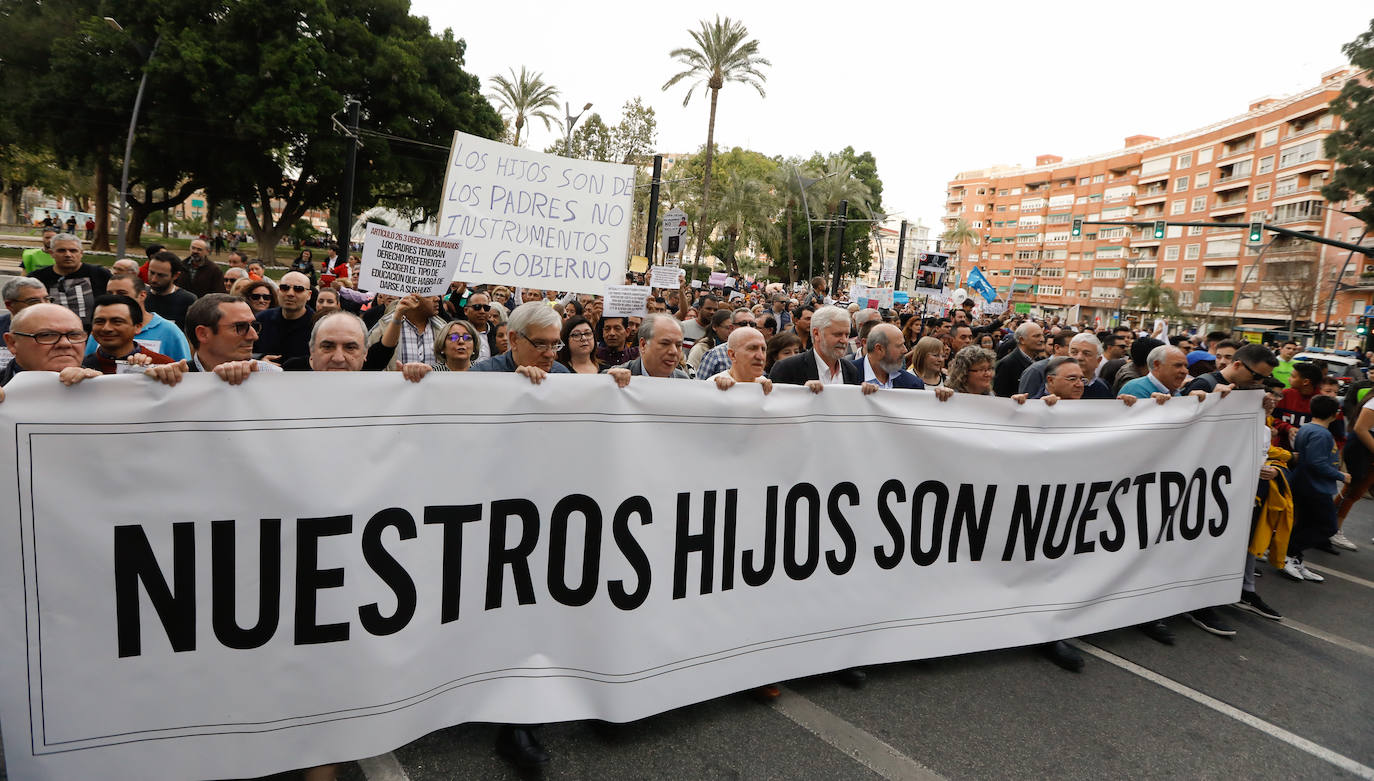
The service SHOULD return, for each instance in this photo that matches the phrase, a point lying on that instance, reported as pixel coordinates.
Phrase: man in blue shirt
(1168, 373)
(534, 341)
(157, 332)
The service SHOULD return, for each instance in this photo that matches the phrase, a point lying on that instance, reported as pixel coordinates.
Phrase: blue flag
(980, 283)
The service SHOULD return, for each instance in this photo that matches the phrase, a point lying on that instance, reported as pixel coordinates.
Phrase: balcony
(1230, 207)
(959, 198)
(1147, 178)
(1236, 182)
(1232, 151)
(1315, 219)
(1307, 166)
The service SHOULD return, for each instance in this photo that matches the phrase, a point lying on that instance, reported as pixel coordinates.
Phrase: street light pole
(803, 183)
(572, 120)
(129, 141)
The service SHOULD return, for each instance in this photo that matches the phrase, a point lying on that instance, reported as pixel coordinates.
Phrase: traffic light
(1256, 232)
(1077, 228)
(1361, 329)
(1159, 229)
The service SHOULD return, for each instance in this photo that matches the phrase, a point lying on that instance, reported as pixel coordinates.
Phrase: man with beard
(202, 275)
(885, 354)
(164, 297)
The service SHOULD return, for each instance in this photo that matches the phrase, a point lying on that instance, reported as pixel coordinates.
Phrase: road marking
(1324, 570)
(383, 767)
(1349, 645)
(864, 747)
(1297, 741)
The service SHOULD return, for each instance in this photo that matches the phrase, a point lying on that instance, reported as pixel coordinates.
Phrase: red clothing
(106, 364)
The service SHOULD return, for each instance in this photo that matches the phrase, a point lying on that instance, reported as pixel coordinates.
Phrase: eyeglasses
(1252, 371)
(53, 337)
(32, 301)
(480, 307)
(260, 296)
(296, 288)
(241, 328)
(581, 335)
(543, 347)
(460, 337)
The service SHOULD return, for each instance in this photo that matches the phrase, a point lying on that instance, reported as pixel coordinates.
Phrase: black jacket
(1007, 376)
(801, 368)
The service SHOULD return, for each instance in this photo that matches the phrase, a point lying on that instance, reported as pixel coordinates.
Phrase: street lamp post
(804, 182)
(129, 141)
(572, 120)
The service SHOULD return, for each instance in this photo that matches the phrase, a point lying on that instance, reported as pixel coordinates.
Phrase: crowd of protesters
(169, 315)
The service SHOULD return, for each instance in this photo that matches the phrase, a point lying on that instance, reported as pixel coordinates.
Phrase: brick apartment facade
(1267, 164)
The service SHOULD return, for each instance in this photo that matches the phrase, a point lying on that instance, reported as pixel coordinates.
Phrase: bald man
(47, 338)
(748, 352)
(285, 331)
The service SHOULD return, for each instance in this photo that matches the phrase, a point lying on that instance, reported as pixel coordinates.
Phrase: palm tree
(962, 233)
(1154, 297)
(837, 183)
(747, 209)
(525, 97)
(722, 53)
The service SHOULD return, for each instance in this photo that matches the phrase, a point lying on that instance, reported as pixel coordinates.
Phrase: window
(1059, 218)
(1258, 216)
(1027, 238)
(978, 207)
(1262, 192)
(1137, 273)
(1016, 191)
(1023, 271)
(1050, 290)
(1168, 276)
(1032, 204)
(1106, 292)
(1185, 298)
(1191, 252)
(1106, 273)
(1190, 274)
(977, 223)
(1098, 179)
(1266, 164)
(1194, 230)
(1286, 186)
(1357, 306)
(1171, 253)
(1203, 179)
(1003, 192)
(1225, 248)
(1269, 137)
(1104, 253)
(1057, 237)
(1200, 203)
(1111, 233)
(1001, 208)
(1302, 153)
(1027, 254)
(1185, 160)
(1180, 184)
(1053, 273)
(1157, 166)
(1083, 181)
(1204, 156)
(1178, 207)
(1173, 231)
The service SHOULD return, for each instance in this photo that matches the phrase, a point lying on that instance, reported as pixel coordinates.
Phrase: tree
(634, 138)
(591, 140)
(1293, 285)
(1153, 297)
(722, 54)
(747, 209)
(1352, 148)
(840, 181)
(525, 97)
(960, 235)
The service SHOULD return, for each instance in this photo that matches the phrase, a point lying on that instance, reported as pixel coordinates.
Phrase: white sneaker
(1292, 568)
(1263, 557)
(1308, 574)
(1342, 541)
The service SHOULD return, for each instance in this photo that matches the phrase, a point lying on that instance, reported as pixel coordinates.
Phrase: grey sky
(930, 89)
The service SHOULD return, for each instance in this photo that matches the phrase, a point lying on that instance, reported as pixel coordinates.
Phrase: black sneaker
(1064, 655)
(1208, 621)
(1251, 601)
(1158, 631)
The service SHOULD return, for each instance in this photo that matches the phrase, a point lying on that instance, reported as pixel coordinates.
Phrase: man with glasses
(21, 293)
(166, 298)
(285, 330)
(534, 341)
(222, 331)
(1251, 365)
(72, 282)
(478, 312)
(48, 338)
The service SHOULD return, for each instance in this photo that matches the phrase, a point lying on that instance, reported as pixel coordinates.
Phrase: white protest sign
(224, 633)
(994, 307)
(889, 271)
(399, 262)
(674, 232)
(535, 220)
(665, 276)
(626, 301)
(717, 279)
(883, 295)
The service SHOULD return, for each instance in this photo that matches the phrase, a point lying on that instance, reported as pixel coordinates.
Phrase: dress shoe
(521, 747)
(768, 693)
(1063, 654)
(1159, 632)
(854, 678)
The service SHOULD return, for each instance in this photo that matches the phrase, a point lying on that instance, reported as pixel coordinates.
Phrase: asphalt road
(1291, 699)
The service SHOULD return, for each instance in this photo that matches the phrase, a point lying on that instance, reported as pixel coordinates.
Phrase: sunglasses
(460, 337)
(297, 288)
(242, 328)
(480, 307)
(260, 296)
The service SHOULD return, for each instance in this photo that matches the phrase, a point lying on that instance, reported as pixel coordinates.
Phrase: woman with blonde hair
(261, 293)
(928, 361)
(454, 347)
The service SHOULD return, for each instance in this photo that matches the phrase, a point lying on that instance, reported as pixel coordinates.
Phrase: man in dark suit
(1030, 338)
(824, 363)
(882, 364)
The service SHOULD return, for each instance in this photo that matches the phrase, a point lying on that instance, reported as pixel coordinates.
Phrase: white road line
(383, 767)
(1349, 645)
(1297, 741)
(863, 747)
(1324, 570)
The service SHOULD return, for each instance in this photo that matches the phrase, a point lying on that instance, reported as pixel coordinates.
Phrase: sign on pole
(535, 220)
(674, 232)
(399, 262)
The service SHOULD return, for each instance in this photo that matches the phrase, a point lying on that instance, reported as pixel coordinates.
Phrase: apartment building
(1267, 164)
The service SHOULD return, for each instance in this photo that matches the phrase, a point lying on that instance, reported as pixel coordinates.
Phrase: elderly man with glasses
(534, 341)
(46, 337)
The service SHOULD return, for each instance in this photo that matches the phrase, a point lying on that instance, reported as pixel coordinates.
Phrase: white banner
(626, 301)
(318, 578)
(535, 220)
(400, 262)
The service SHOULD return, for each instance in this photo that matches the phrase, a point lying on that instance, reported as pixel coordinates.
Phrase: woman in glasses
(261, 293)
(454, 347)
(928, 361)
(579, 343)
